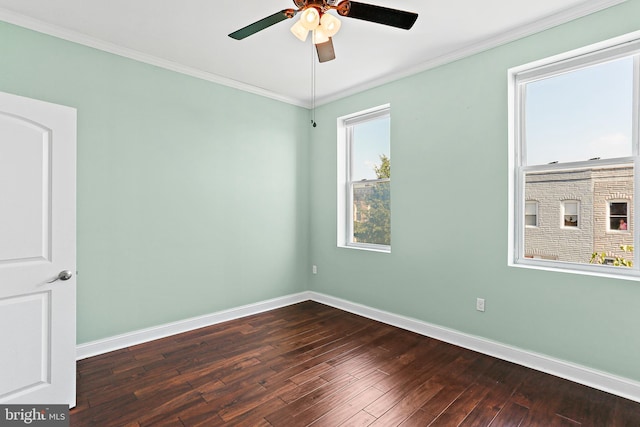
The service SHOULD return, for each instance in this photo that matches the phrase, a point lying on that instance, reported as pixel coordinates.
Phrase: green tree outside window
(372, 202)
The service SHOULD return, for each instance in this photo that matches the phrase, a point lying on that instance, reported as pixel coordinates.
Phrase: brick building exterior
(578, 212)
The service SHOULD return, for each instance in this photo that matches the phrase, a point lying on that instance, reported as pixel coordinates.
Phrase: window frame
(619, 47)
(564, 215)
(535, 204)
(609, 216)
(345, 184)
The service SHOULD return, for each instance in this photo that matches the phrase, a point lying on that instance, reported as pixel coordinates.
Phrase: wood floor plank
(410, 378)
(346, 352)
(358, 363)
(419, 418)
(361, 419)
(285, 414)
(200, 413)
(346, 410)
(323, 407)
(579, 405)
(511, 415)
(303, 389)
(221, 367)
(410, 403)
(461, 379)
(501, 379)
(460, 408)
(334, 344)
(311, 373)
(312, 365)
(251, 400)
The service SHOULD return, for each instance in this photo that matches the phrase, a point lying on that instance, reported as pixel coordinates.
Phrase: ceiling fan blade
(325, 51)
(378, 14)
(262, 24)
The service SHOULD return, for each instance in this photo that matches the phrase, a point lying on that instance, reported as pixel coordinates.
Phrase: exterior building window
(531, 214)
(573, 149)
(364, 180)
(570, 211)
(618, 219)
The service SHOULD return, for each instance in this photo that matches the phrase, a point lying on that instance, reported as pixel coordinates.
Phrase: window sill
(370, 248)
(609, 272)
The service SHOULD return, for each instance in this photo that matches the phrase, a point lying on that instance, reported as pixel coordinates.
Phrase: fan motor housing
(321, 5)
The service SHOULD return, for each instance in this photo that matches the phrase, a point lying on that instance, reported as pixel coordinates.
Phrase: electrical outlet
(480, 304)
(314, 269)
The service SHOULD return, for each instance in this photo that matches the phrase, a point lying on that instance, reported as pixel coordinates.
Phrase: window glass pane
(618, 208)
(580, 115)
(530, 220)
(574, 230)
(618, 216)
(530, 208)
(371, 141)
(571, 208)
(618, 224)
(372, 213)
(571, 220)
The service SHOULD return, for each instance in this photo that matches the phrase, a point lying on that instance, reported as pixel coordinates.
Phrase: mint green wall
(192, 196)
(449, 214)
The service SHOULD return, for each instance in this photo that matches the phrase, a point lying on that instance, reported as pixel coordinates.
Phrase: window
(531, 214)
(573, 154)
(570, 214)
(364, 180)
(618, 219)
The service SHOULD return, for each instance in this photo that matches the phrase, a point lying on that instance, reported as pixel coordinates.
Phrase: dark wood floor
(309, 364)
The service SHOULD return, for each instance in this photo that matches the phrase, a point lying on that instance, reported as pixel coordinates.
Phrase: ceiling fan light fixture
(300, 31)
(314, 17)
(319, 36)
(330, 24)
(310, 18)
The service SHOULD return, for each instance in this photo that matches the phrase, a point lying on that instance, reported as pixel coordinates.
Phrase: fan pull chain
(313, 86)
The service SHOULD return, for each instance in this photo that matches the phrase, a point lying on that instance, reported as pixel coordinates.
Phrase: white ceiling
(191, 36)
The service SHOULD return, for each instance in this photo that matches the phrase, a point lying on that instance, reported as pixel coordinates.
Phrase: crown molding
(550, 21)
(503, 38)
(82, 39)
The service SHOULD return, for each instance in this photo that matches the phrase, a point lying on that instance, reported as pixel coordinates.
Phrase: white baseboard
(118, 342)
(604, 381)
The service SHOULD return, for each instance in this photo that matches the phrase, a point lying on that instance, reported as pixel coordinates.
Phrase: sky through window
(581, 114)
(371, 139)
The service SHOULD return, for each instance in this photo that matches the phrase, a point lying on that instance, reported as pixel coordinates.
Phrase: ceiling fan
(323, 26)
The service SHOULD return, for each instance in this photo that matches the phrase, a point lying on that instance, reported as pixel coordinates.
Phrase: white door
(37, 245)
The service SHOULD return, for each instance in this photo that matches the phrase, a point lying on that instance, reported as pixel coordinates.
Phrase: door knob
(63, 275)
